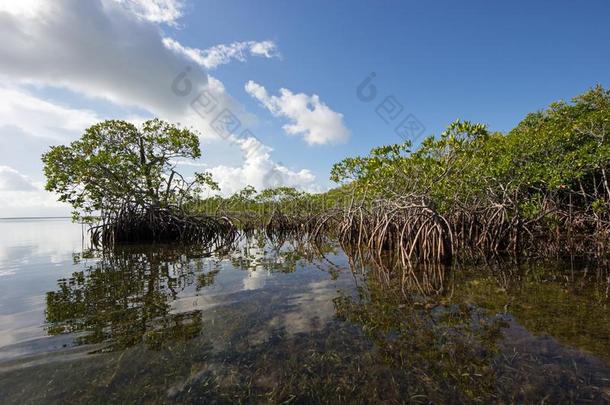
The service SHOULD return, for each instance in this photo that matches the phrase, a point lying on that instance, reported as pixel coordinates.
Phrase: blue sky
(486, 61)
(491, 62)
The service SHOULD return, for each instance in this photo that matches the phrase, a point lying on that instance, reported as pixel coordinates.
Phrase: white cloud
(100, 48)
(158, 11)
(105, 49)
(12, 180)
(268, 49)
(39, 117)
(20, 196)
(114, 50)
(22, 7)
(310, 117)
(32, 203)
(28, 126)
(259, 171)
(222, 54)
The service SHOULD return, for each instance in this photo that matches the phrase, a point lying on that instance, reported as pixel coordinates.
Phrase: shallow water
(273, 321)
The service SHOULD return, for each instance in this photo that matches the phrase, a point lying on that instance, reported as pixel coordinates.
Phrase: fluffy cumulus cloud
(309, 116)
(115, 50)
(101, 49)
(259, 170)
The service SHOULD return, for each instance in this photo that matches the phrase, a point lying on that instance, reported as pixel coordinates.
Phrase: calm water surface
(282, 321)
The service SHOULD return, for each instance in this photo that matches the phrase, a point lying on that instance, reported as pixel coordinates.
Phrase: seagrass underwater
(275, 317)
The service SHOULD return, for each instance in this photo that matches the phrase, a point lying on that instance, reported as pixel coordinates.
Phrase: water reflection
(33, 255)
(124, 297)
(25, 243)
(152, 294)
(289, 320)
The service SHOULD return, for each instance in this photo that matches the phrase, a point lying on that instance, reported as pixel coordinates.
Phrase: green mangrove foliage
(541, 189)
(127, 175)
(481, 192)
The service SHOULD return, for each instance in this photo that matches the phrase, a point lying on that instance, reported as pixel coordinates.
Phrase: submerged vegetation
(185, 317)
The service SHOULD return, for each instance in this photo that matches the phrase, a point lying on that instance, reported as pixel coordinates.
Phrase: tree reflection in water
(399, 333)
(123, 297)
